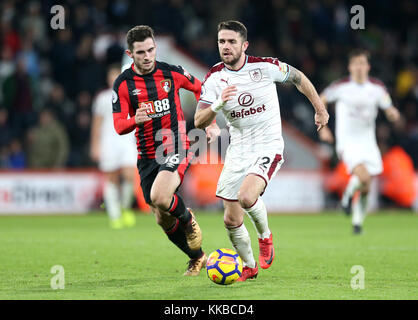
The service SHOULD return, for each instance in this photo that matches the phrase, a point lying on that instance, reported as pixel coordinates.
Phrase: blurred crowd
(48, 78)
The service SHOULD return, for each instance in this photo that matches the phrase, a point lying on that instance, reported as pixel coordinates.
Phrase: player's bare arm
(323, 99)
(325, 133)
(206, 113)
(304, 85)
(392, 114)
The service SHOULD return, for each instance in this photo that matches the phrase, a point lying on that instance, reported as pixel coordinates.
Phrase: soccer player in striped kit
(146, 99)
(243, 88)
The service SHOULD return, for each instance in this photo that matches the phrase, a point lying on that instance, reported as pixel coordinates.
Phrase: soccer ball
(224, 266)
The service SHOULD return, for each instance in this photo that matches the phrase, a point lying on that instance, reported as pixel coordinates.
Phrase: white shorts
(264, 164)
(367, 154)
(119, 154)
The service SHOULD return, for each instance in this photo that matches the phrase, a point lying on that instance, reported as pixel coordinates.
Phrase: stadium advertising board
(49, 193)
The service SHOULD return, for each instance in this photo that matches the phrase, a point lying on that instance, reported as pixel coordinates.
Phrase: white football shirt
(254, 112)
(356, 110)
(109, 139)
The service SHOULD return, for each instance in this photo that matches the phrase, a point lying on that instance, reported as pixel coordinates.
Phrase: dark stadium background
(42, 68)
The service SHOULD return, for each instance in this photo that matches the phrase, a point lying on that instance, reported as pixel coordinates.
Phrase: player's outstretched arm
(304, 85)
(392, 114)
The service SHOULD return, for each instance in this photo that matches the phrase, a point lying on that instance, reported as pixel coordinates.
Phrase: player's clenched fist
(321, 118)
(141, 114)
(228, 93)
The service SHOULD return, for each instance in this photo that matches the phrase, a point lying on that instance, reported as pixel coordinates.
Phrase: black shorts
(149, 168)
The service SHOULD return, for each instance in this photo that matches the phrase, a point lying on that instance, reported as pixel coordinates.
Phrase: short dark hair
(359, 52)
(138, 33)
(234, 26)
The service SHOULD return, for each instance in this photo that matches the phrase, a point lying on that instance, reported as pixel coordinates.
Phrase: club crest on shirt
(166, 85)
(255, 75)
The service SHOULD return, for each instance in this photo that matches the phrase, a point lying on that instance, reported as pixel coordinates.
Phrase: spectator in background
(33, 23)
(62, 57)
(16, 157)
(10, 36)
(6, 131)
(63, 107)
(18, 97)
(80, 131)
(88, 71)
(7, 67)
(47, 142)
(4, 154)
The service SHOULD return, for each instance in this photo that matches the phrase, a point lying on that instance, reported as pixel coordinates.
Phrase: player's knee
(361, 172)
(246, 200)
(365, 188)
(365, 180)
(232, 222)
(160, 200)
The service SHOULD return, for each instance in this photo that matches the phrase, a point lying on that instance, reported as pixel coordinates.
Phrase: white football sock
(111, 199)
(360, 210)
(240, 239)
(127, 192)
(352, 186)
(356, 219)
(258, 216)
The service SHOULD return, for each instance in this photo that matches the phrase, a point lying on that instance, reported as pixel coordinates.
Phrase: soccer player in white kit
(358, 99)
(116, 156)
(243, 88)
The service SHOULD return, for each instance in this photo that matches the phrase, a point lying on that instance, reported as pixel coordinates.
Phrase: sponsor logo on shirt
(157, 108)
(243, 113)
(245, 99)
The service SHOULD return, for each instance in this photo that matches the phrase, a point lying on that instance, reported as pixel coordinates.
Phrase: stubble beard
(145, 69)
(232, 62)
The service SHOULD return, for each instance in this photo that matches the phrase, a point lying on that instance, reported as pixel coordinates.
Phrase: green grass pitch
(314, 256)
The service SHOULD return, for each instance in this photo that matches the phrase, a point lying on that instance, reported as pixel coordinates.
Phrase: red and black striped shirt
(159, 91)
